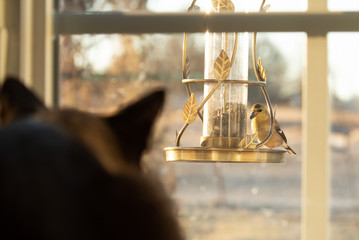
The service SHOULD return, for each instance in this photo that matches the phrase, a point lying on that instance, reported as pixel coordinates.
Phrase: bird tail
(290, 150)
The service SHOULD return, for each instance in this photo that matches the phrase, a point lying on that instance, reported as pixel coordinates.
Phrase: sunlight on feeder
(223, 110)
(224, 115)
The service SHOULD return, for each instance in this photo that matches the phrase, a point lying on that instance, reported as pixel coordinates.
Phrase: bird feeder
(223, 110)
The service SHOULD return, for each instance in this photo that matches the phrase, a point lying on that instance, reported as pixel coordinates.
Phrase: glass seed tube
(225, 113)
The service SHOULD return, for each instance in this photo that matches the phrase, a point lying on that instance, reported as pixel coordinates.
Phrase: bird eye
(260, 110)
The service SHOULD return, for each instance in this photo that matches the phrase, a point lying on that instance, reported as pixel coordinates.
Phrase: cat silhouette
(67, 174)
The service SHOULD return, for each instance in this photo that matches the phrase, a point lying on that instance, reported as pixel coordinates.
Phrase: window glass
(343, 5)
(98, 73)
(344, 139)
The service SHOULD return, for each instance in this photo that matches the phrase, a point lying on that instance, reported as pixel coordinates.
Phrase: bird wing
(280, 131)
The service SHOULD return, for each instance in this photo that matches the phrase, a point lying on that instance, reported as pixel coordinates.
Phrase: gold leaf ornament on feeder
(222, 66)
(186, 69)
(223, 110)
(190, 110)
(250, 142)
(226, 5)
(261, 71)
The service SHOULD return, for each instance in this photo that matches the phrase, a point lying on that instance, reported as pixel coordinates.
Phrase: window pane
(343, 62)
(343, 5)
(216, 201)
(170, 5)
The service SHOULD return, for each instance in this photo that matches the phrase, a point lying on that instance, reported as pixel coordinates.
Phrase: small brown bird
(261, 126)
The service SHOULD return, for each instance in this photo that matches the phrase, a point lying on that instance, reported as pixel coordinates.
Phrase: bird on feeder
(261, 126)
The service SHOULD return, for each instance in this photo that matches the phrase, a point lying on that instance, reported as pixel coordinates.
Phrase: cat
(66, 174)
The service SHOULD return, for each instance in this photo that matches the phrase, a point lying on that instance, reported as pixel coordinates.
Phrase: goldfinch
(261, 126)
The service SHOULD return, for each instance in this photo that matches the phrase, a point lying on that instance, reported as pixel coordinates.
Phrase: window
(231, 200)
(344, 135)
(214, 200)
(309, 197)
(345, 5)
(242, 199)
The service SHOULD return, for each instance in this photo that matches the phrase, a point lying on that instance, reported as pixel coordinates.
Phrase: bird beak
(253, 115)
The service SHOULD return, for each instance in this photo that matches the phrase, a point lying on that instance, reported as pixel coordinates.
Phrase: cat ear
(132, 126)
(17, 101)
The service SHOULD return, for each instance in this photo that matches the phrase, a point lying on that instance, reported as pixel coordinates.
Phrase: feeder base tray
(239, 155)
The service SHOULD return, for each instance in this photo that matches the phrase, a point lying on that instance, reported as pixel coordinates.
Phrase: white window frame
(316, 22)
(3, 40)
(26, 35)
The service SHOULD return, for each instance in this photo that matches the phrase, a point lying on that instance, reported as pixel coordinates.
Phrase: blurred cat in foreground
(66, 174)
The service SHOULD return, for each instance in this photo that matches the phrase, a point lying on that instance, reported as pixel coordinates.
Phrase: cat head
(52, 185)
(123, 135)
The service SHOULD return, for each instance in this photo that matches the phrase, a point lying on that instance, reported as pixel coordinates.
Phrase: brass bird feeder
(223, 110)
